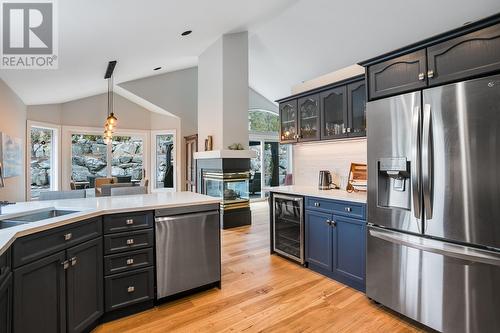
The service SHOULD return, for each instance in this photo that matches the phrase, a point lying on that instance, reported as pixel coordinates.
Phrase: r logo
(27, 28)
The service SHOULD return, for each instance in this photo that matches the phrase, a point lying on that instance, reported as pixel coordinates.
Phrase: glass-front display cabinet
(288, 121)
(309, 121)
(356, 95)
(334, 107)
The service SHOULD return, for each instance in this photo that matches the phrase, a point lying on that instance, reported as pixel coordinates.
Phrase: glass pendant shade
(111, 119)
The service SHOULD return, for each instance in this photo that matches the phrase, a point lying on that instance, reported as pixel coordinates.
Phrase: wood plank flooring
(264, 293)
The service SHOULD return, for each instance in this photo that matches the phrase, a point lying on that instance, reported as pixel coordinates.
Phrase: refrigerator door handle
(435, 246)
(427, 161)
(416, 171)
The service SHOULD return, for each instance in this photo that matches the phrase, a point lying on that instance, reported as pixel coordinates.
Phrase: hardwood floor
(264, 293)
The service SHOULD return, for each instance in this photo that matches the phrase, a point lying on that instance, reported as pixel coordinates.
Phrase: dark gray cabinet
(309, 118)
(399, 75)
(334, 113)
(356, 109)
(40, 296)
(84, 285)
(6, 302)
(335, 240)
(466, 56)
(288, 121)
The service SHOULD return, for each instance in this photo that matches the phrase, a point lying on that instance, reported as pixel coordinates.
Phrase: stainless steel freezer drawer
(448, 287)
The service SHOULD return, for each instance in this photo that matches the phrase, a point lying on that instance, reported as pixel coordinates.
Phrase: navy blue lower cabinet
(335, 240)
(349, 251)
(318, 239)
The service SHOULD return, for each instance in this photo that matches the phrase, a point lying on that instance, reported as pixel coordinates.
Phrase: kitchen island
(67, 265)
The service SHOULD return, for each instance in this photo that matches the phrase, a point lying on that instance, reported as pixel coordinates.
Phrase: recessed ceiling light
(187, 32)
(156, 68)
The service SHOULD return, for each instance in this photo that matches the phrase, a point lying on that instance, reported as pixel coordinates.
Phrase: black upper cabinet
(85, 285)
(6, 302)
(398, 75)
(40, 296)
(466, 56)
(309, 118)
(334, 113)
(288, 121)
(356, 97)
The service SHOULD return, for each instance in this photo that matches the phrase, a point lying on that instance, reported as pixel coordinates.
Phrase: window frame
(55, 170)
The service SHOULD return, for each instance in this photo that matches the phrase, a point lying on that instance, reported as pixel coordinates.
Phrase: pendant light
(111, 120)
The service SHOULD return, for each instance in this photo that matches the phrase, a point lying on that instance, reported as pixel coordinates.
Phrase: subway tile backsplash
(310, 158)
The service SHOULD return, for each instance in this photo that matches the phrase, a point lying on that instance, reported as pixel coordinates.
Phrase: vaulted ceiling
(289, 40)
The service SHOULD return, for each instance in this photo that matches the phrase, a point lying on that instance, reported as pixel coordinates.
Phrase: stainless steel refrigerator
(433, 243)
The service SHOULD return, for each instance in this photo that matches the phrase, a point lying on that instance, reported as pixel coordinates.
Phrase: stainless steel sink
(8, 224)
(35, 217)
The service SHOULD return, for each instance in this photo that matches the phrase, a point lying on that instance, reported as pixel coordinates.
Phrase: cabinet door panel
(356, 101)
(349, 249)
(318, 239)
(288, 121)
(465, 56)
(85, 285)
(334, 113)
(398, 75)
(309, 118)
(6, 304)
(40, 296)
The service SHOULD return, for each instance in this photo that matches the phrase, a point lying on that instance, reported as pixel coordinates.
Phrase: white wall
(13, 123)
(335, 156)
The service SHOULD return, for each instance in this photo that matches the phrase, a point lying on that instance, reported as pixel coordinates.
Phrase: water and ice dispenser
(394, 189)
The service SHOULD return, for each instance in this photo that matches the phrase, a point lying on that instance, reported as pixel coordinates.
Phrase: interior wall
(335, 156)
(13, 123)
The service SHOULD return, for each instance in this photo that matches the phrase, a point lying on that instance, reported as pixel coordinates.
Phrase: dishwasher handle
(160, 219)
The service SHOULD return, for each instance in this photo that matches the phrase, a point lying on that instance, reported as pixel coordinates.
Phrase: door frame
(177, 165)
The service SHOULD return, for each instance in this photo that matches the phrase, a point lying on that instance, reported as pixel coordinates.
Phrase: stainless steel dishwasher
(187, 251)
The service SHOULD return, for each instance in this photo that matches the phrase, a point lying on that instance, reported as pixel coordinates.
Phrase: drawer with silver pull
(344, 208)
(125, 241)
(129, 288)
(41, 244)
(127, 261)
(127, 222)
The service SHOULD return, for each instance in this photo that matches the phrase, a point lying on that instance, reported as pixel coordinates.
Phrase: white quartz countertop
(312, 191)
(91, 207)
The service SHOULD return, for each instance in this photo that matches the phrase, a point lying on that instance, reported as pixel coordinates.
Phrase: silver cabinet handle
(65, 264)
(415, 162)
(348, 130)
(427, 161)
(421, 76)
(348, 209)
(73, 261)
(129, 221)
(328, 222)
(131, 289)
(333, 223)
(316, 204)
(130, 261)
(130, 241)
(68, 236)
(430, 73)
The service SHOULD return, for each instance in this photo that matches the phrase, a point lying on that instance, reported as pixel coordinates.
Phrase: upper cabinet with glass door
(309, 118)
(288, 121)
(335, 111)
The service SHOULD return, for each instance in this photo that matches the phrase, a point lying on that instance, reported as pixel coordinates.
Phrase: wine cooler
(288, 226)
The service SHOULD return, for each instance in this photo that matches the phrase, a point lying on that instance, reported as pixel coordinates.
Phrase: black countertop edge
(323, 88)
(470, 27)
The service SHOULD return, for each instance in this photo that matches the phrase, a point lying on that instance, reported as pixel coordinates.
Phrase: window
(263, 121)
(43, 147)
(163, 160)
(127, 160)
(89, 158)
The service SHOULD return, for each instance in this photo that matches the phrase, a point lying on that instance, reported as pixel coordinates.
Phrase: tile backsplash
(335, 156)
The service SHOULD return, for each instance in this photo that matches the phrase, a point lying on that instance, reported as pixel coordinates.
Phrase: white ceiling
(289, 40)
